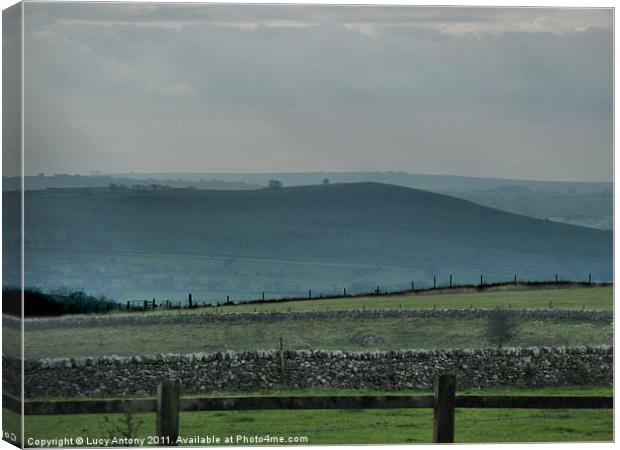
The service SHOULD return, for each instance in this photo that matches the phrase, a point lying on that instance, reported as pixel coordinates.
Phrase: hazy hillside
(579, 203)
(340, 235)
(591, 209)
(414, 180)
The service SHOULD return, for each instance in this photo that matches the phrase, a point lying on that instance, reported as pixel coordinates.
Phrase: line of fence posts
(191, 303)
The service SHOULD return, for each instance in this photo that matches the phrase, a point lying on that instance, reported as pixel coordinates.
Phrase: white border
(482, 3)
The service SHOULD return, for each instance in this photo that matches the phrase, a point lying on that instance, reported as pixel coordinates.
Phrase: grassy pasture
(378, 334)
(516, 296)
(329, 334)
(362, 426)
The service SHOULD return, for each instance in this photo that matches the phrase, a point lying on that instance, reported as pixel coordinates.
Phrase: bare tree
(501, 327)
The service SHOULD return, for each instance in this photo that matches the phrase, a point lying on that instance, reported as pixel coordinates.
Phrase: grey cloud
(367, 19)
(309, 92)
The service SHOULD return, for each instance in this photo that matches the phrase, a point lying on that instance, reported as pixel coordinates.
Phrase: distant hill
(414, 180)
(369, 233)
(580, 203)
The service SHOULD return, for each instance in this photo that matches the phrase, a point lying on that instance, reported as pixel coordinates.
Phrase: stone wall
(261, 370)
(140, 319)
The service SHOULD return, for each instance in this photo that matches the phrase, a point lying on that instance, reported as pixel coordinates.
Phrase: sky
(492, 92)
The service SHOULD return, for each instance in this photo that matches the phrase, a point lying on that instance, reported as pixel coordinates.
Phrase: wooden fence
(144, 305)
(169, 404)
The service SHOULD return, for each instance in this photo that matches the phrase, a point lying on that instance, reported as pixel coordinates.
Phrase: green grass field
(516, 296)
(329, 334)
(359, 426)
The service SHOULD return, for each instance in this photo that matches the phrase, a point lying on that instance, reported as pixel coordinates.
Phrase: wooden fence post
(443, 417)
(589, 278)
(434, 282)
(450, 280)
(168, 406)
(282, 369)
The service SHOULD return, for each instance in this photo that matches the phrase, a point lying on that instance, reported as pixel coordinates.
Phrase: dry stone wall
(261, 370)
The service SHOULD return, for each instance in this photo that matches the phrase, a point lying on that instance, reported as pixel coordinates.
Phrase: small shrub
(126, 427)
(501, 327)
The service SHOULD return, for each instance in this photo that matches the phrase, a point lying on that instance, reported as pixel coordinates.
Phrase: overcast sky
(513, 93)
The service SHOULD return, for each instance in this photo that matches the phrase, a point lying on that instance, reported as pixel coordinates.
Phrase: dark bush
(39, 304)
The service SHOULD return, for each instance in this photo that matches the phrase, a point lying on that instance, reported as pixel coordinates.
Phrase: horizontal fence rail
(305, 402)
(533, 402)
(169, 404)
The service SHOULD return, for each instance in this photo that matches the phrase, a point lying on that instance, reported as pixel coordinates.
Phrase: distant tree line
(145, 187)
(40, 304)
